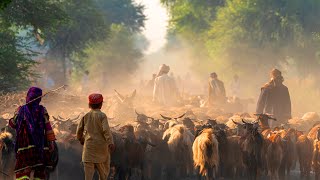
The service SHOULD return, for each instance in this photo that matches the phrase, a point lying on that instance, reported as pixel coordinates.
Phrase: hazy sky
(156, 24)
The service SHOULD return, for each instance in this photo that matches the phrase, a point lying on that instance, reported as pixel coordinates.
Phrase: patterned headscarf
(33, 93)
(33, 115)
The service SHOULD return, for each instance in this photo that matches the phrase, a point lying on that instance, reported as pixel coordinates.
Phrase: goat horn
(75, 118)
(151, 118)
(61, 118)
(153, 145)
(272, 118)
(116, 126)
(181, 116)
(235, 122)
(164, 117)
(137, 113)
(244, 121)
(119, 96)
(56, 119)
(133, 94)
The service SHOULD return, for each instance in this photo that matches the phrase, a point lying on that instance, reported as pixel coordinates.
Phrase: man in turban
(275, 99)
(165, 90)
(34, 139)
(217, 92)
(94, 133)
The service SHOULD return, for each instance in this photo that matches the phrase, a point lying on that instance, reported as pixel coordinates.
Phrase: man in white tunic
(165, 90)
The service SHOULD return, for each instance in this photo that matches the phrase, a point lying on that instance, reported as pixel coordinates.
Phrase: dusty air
(159, 90)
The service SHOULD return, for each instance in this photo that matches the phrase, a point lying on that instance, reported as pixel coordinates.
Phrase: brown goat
(274, 156)
(206, 153)
(234, 163)
(289, 147)
(304, 150)
(316, 159)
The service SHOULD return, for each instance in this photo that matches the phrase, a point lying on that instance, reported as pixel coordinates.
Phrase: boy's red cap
(95, 98)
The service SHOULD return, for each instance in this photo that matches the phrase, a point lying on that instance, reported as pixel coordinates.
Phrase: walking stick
(51, 91)
(4, 173)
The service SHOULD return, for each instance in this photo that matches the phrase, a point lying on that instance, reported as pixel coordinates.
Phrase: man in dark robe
(275, 99)
(217, 92)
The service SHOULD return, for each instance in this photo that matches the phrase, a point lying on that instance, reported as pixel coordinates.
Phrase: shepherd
(35, 137)
(94, 133)
(275, 99)
(165, 90)
(217, 92)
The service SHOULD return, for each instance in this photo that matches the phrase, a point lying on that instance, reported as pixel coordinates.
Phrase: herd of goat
(187, 143)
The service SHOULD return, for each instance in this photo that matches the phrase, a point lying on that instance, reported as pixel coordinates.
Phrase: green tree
(4, 4)
(68, 28)
(15, 61)
(84, 26)
(254, 31)
(124, 12)
(117, 57)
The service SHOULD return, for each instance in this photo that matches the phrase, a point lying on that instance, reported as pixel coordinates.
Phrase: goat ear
(133, 95)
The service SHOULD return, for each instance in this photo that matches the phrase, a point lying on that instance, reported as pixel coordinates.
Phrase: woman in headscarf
(34, 137)
(275, 99)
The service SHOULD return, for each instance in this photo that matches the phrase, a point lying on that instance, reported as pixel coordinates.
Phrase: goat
(274, 155)
(206, 154)
(304, 150)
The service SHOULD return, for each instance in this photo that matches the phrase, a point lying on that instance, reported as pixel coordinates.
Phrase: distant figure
(275, 99)
(174, 79)
(235, 86)
(85, 82)
(150, 85)
(217, 92)
(165, 90)
(94, 133)
(179, 82)
(172, 75)
(35, 137)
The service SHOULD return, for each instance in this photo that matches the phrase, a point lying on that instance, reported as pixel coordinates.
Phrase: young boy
(94, 133)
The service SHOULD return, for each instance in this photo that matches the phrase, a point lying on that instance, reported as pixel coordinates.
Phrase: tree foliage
(115, 58)
(66, 29)
(4, 3)
(237, 34)
(15, 61)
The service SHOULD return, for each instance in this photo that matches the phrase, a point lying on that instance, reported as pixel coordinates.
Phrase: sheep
(305, 123)
(206, 153)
